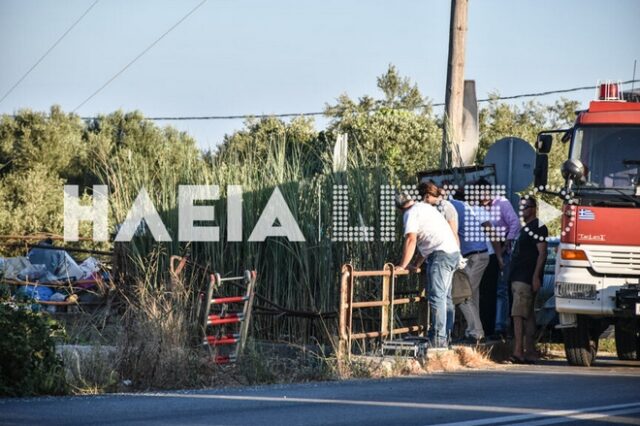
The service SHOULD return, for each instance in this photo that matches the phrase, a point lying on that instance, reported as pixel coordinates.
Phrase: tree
(31, 201)
(499, 120)
(39, 153)
(260, 134)
(398, 133)
(53, 141)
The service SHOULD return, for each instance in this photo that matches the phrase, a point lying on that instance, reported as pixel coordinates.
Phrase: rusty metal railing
(387, 304)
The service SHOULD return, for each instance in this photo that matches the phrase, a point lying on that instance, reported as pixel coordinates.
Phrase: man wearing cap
(428, 231)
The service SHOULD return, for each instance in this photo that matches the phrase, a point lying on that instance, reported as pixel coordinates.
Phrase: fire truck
(597, 271)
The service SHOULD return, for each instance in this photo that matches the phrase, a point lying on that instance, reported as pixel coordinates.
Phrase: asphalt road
(548, 393)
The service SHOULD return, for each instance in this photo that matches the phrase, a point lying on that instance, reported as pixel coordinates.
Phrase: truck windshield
(610, 154)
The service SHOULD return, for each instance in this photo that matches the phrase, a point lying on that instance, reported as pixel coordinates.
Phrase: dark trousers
(488, 291)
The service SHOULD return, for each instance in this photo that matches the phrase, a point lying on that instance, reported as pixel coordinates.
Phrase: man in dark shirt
(527, 268)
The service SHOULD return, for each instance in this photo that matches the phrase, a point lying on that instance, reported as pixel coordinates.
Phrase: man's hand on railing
(409, 268)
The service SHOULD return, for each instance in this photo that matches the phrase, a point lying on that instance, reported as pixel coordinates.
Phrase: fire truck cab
(597, 271)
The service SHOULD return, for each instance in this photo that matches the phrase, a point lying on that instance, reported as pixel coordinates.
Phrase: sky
(285, 56)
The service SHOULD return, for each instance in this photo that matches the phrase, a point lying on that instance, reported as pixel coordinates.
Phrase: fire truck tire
(628, 339)
(581, 343)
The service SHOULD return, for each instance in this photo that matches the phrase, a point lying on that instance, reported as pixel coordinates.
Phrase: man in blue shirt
(473, 246)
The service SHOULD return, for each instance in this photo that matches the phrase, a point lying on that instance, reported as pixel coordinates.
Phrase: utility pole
(454, 94)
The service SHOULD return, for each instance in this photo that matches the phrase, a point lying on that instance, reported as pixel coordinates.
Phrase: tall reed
(301, 276)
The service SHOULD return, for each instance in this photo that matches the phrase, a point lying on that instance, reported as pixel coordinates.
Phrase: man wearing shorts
(527, 268)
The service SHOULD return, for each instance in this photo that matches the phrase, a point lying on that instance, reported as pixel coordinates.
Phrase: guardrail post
(392, 277)
(249, 278)
(385, 311)
(423, 311)
(214, 280)
(344, 322)
(387, 305)
(351, 286)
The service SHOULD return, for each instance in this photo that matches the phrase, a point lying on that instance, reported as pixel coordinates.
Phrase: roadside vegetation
(149, 336)
(29, 364)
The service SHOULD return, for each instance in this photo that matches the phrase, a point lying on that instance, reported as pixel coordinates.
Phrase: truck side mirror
(543, 143)
(573, 170)
(567, 136)
(541, 170)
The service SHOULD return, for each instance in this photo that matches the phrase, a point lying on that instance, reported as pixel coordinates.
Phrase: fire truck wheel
(628, 339)
(581, 342)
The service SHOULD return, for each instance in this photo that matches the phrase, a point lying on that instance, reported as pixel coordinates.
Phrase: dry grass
(260, 367)
(89, 369)
(154, 350)
(472, 357)
(145, 365)
(442, 361)
(459, 358)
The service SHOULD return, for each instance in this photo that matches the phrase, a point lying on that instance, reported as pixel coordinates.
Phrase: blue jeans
(440, 270)
(502, 296)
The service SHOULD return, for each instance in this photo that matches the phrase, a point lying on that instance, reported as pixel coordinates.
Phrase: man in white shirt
(428, 231)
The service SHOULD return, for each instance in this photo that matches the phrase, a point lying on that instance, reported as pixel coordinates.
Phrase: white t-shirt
(448, 211)
(432, 230)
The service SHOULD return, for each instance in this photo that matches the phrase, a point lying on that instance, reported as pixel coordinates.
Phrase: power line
(233, 117)
(552, 92)
(318, 113)
(140, 55)
(48, 51)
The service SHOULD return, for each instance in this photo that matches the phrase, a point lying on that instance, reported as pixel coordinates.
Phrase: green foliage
(119, 141)
(52, 141)
(31, 201)
(28, 361)
(300, 276)
(39, 153)
(399, 92)
(390, 139)
(398, 133)
(499, 120)
(259, 135)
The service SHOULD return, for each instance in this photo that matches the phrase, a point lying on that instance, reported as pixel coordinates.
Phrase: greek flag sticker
(586, 214)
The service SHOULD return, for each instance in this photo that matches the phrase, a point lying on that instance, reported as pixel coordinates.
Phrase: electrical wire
(551, 92)
(141, 54)
(318, 113)
(48, 51)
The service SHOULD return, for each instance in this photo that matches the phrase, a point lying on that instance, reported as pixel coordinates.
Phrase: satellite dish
(514, 160)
